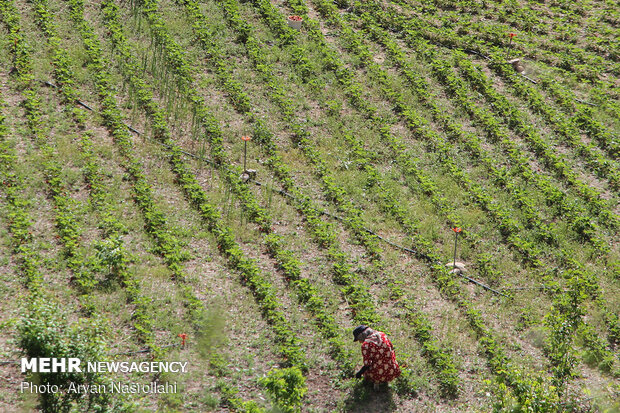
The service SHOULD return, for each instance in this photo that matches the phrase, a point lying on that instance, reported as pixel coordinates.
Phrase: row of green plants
(43, 330)
(473, 144)
(18, 219)
(602, 354)
(445, 281)
(447, 38)
(574, 214)
(67, 226)
(567, 128)
(551, 21)
(582, 225)
(112, 256)
(558, 49)
(563, 321)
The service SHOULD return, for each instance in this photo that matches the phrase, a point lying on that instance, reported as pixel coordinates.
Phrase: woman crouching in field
(380, 364)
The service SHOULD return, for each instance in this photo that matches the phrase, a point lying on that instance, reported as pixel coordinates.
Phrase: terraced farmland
(130, 231)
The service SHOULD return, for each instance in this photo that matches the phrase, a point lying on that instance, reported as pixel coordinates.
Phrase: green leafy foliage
(287, 388)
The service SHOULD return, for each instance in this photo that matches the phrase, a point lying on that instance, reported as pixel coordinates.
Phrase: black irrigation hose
(146, 350)
(615, 394)
(530, 79)
(586, 103)
(393, 244)
(124, 353)
(418, 254)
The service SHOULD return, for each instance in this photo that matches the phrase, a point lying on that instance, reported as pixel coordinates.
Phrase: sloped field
(378, 131)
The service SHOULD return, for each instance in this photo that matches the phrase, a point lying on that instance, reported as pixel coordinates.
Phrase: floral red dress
(378, 353)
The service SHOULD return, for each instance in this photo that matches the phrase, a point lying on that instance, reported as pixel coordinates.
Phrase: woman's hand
(358, 375)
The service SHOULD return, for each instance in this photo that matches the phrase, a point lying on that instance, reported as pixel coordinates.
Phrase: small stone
(247, 175)
(457, 268)
(517, 65)
(457, 264)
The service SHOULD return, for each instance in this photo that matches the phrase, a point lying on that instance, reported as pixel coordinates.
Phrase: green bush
(286, 387)
(45, 332)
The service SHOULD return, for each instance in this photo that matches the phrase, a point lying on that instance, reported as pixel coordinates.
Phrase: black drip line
(417, 254)
(122, 353)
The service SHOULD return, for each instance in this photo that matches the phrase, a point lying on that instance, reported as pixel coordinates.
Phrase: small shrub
(286, 387)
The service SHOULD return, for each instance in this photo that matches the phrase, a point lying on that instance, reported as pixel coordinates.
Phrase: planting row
(508, 226)
(113, 256)
(494, 39)
(565, 128)
(559, 49)
(582, 115)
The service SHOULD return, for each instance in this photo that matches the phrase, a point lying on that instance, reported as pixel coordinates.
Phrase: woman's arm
(362, 371)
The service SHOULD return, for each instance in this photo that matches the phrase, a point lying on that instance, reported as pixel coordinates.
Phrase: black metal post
(456, 238)
(511, 35)
(245, 152)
